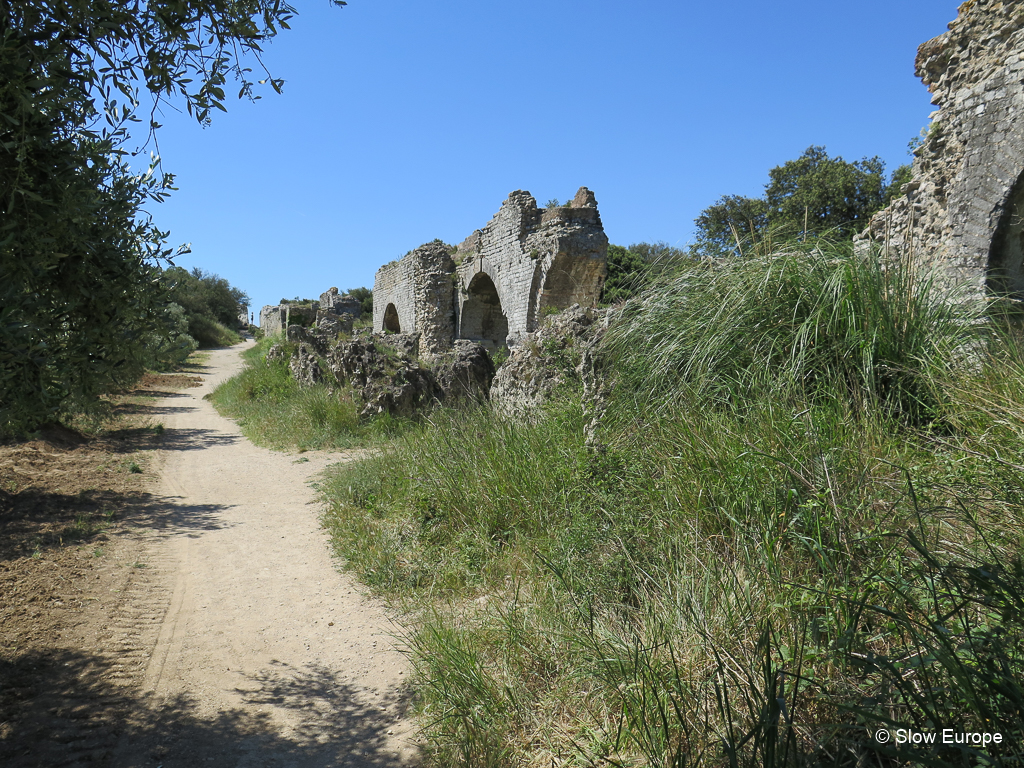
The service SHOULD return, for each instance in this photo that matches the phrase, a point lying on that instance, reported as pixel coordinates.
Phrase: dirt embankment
(167, 599)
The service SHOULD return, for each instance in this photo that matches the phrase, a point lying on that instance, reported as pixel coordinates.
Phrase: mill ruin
(497, 285)
(963, 210)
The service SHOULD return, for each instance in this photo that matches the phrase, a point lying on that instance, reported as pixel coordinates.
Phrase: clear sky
(406, 121)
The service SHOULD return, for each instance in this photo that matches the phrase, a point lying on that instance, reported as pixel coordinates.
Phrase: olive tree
(79, 255)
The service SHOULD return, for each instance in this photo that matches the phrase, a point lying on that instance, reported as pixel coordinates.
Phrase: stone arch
(482, 318)
(1006, 254)
(533, 308)
(568, 281)
(391, 319)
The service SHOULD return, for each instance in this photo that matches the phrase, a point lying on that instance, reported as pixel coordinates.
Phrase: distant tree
(900, 176)
(818, 193)
(631, 269)
(365, 297)
(211, 304)
(804, 197)
(657, 254)
(723, 226)
(627, 274)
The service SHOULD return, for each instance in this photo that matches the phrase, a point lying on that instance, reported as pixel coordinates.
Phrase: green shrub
(211, 333)
(171, 345)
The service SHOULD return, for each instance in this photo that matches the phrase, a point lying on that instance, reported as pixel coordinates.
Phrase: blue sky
(406, 121)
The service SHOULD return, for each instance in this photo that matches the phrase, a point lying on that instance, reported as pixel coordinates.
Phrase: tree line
(813, 195)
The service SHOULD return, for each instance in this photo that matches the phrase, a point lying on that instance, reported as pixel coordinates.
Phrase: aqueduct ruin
(497, 285)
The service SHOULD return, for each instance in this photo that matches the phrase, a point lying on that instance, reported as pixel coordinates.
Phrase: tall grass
(804, 528)
(814, 317)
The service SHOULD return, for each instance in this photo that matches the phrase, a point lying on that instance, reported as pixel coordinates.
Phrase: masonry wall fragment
(963, 210)
(500, 281)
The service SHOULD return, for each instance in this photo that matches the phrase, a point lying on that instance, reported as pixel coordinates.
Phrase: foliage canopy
(809, 196)
(79, 279)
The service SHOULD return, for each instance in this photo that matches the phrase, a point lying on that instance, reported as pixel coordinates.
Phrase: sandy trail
(262, 653)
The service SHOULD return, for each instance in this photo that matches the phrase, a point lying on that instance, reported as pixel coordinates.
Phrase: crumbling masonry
(497, 285)
(963, 210)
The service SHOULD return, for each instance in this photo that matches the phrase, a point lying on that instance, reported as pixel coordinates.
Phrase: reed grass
(804, 526)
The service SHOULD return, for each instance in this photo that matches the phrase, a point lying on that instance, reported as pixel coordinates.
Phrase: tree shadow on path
(59, 708)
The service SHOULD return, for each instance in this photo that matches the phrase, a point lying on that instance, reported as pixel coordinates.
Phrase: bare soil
(167, 598)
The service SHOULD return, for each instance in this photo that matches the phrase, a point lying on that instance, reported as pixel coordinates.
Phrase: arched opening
(571, 280)
(391, 319)
(1006, 256)
(482, 318)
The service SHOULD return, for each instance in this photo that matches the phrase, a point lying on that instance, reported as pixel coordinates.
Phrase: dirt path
(255, 650)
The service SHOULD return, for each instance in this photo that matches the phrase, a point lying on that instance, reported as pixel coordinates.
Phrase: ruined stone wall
(394, 289)
(335, 303)
(434, 292)
(502, 279)
(535, 259)
(417, 291)
(271, 320)
(963, 209)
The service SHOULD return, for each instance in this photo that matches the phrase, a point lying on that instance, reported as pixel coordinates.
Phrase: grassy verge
(273, 410)
(805, 526)
(210, 333)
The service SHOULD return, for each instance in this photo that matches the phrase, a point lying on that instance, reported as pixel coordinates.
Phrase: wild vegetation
(802, 526)
(632, 268)
(273, 410)
(82, 301)
(210, 304)
(812, 195)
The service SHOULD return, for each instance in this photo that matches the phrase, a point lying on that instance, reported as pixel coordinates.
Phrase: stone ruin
(439, 311)
(335, 312)
(963, 210)
(499, 283)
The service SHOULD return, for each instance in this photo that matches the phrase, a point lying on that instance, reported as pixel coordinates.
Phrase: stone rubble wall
(434, 290)
(331, 302)
(963, 210)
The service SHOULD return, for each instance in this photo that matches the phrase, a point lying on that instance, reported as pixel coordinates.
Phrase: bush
(210, 333)
(171, 345)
